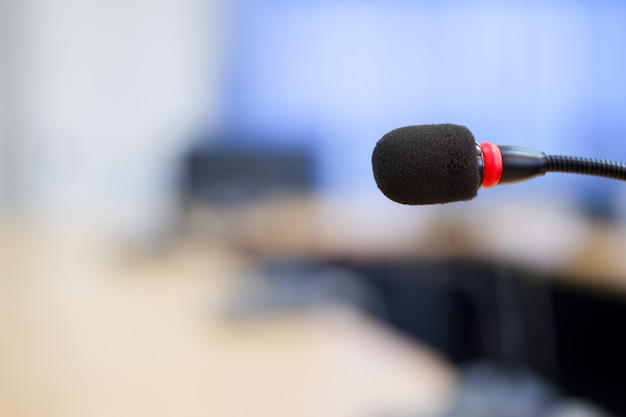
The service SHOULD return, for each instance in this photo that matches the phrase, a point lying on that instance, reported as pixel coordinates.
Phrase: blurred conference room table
(90, 327)
(93, 326)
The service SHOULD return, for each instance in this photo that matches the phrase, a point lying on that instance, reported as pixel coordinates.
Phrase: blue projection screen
(545, 75)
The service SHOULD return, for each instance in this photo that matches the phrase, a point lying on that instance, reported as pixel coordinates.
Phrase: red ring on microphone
(492, 164)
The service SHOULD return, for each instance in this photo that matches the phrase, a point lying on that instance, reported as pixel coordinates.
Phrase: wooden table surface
(89, 329)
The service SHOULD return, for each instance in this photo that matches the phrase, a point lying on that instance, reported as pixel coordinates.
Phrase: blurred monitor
(226, 174)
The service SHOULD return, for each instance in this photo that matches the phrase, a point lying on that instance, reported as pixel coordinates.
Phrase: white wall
(104, 96)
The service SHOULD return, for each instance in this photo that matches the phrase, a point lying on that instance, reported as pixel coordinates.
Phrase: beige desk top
(89, 330)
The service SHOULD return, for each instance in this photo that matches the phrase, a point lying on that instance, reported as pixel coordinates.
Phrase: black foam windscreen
(427, 164)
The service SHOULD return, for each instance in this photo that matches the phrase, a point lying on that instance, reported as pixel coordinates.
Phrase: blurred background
(189, 224)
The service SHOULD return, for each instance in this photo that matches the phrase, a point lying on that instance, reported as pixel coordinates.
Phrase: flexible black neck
(586, 166)
(522, 164)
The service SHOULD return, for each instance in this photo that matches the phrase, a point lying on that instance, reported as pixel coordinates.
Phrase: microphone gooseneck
(586, 166)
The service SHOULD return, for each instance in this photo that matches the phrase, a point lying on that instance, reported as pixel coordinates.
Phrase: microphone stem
(586, 166)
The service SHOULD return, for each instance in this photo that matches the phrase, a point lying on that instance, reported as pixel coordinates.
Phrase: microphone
(443, 163)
